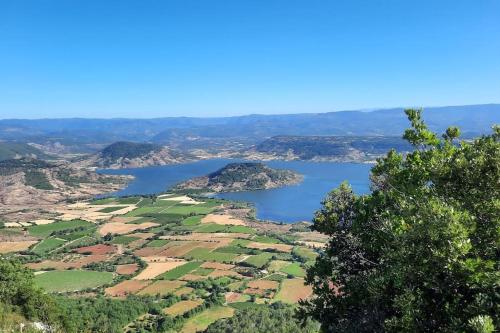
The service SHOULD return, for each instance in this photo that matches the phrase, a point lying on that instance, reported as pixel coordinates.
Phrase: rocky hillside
(326, 148)
(124, 154)
(242, 177)
(9, 150)
(31, 181)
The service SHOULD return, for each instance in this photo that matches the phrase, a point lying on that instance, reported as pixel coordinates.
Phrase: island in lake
(236, 177)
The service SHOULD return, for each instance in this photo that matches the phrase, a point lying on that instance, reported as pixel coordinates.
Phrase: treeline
(277, 318)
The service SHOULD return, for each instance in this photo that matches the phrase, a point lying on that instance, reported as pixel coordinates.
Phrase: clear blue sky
(157, 58)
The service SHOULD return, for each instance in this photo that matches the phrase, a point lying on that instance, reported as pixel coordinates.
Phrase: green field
(47, 245)
(192, 220)
(78, 234)
(106, 201)
(180, 271)
(211, 227)
(240, 242)
(46, 229)
(283, 256)
(202, 320)
(236, 249)
(140, 220)
(275, 277)
(266, 239)
(157, 243)
(191, 209)
(64, 281)
(205, 254)
(165, 218)
(124, 240)
(142, 211)
(294, 269)
(304, 253)
(128, 200)
(259, 260)
(203, 271)
(149, 208)
(83, 241)
(110, 209)
(240, 229)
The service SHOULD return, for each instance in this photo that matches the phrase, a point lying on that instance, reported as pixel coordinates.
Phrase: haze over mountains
(472, 119)
(357, 136)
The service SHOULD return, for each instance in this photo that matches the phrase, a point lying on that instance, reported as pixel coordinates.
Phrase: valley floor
(208, 257)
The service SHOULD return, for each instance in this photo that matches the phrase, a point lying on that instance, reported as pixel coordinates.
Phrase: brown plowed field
(182, 307)
(161, 287)
(6, 247)
(263, 284)
(156, 268)
(218, 273)
(264, 246)
(126, 269)
(123, 228)
(222, 219)
(97, 249)
(293, 290)
(125, 288)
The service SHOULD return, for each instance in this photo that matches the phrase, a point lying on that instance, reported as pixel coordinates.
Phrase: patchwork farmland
(199, 258)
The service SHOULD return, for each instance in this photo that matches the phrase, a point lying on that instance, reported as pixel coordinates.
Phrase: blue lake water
(286, 204)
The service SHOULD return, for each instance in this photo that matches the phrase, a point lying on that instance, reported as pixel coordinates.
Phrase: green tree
(277, 317)
(420, 253)
(23, 302)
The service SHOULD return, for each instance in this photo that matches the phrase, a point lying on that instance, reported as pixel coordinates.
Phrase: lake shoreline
(288, 204)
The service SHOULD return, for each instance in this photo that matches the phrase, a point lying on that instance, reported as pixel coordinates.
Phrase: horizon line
(371, 109)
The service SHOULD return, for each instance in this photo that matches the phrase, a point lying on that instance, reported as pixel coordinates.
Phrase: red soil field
(126, 269)
(96, 249)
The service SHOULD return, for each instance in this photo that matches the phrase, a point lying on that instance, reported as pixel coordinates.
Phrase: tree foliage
(277, 317)
(21, 302)
(420, 253)
(104, 315)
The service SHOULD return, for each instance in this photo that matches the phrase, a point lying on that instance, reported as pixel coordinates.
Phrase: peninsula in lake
(236, 177)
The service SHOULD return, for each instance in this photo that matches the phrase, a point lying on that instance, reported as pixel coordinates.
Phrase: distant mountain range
(93, 134)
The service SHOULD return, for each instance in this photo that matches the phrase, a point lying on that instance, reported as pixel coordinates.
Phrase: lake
(286, 204)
